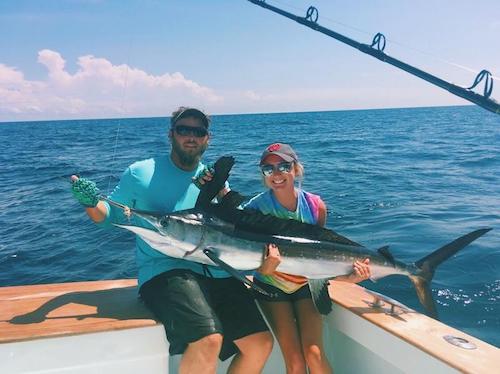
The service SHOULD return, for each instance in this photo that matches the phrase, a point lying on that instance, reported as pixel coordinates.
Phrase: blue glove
(86, 192)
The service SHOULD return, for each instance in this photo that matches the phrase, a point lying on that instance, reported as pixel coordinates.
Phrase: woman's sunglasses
(198, 132)
(282, 167)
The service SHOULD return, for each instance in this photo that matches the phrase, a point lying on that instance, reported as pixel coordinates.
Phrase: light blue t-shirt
(307, 206)
(156, 185)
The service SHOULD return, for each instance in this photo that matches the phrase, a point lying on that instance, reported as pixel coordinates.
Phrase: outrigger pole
(376, 49)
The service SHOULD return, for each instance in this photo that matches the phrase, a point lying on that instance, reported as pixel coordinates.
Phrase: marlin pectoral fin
(320, 296)
(210, 253)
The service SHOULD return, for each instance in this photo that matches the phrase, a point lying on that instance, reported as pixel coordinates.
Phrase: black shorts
(192, 306)
(279, 295)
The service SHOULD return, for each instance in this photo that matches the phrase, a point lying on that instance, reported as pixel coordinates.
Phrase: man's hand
(271, 260)
(85, 191)
(204, 176)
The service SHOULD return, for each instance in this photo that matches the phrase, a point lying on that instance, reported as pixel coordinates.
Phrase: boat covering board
(419, 331)
(39, 311)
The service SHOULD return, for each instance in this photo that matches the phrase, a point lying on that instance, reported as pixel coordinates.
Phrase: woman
(292, 316)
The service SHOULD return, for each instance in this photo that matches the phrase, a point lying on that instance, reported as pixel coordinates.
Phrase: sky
(78, 59)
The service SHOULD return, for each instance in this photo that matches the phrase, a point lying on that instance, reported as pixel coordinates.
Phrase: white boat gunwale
(35, 312)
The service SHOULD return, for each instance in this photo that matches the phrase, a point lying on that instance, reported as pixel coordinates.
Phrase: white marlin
(223, 235)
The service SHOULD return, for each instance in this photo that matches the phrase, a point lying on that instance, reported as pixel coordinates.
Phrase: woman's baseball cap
(282, 150)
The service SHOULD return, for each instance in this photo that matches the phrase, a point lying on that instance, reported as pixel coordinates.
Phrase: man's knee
(267, 342)
(260, 343)
(210, 343)
(201, 355)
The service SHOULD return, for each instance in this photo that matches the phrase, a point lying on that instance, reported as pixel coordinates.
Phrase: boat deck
(34, 312)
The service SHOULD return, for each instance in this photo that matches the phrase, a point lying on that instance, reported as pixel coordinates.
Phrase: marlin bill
(224, 235)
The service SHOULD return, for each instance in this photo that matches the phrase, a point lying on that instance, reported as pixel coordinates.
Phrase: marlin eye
(164, 222)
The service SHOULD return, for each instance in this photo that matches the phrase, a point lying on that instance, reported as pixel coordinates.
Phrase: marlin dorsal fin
(232, 199)
(384, 251)
(210, 189)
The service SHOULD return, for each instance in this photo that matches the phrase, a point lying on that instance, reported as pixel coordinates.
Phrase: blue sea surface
(414, 179)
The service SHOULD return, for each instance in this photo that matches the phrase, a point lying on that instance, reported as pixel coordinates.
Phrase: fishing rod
(376, 49)
(126, 208)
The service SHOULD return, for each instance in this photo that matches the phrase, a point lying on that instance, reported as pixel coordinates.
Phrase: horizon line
(238, 114)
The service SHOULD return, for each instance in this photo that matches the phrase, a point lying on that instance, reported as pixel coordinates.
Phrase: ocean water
(414, 179)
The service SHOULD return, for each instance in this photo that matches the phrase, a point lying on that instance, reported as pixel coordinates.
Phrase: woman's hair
(299, 170)
(299, 173)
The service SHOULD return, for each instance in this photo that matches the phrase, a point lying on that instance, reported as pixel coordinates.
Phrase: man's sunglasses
(198, 132)
(282, 167)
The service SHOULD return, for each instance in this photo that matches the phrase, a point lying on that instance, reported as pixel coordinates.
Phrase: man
(206, 313)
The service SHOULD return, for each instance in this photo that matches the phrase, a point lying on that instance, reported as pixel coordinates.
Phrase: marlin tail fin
(428, 264)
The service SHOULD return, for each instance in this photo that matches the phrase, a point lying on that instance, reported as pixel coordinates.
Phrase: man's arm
(98, 213)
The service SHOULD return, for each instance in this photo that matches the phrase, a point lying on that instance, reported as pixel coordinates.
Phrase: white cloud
(97, 89)
(100, 89)
(252, 95)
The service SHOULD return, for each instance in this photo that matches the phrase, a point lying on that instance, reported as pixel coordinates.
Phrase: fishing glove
(208, 169)
(86, 192)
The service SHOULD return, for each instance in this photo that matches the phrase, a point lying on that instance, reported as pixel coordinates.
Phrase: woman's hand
(271, 260)
(361, 271)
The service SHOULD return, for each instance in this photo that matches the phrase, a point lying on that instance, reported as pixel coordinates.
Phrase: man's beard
(187, 158)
